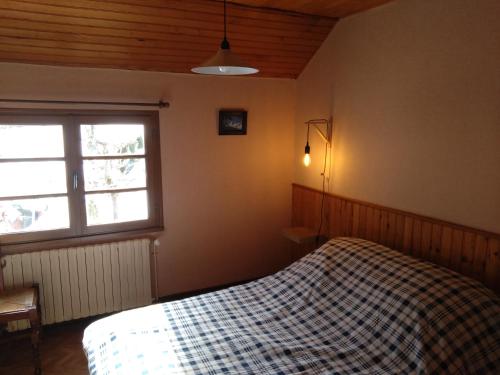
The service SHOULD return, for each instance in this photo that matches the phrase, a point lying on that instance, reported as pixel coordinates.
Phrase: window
(68, 175)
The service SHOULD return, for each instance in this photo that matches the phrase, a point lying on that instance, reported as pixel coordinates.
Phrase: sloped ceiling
(276, 36)
(326, 8)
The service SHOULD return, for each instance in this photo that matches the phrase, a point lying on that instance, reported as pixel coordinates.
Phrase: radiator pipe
(156, 246)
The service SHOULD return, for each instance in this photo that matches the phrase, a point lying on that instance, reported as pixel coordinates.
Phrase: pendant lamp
(224, 62)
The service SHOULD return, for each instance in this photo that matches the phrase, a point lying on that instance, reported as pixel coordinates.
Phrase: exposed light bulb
(307, 160)
(222, 69)
(307, 156)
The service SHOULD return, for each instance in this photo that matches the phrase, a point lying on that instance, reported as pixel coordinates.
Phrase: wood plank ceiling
(278, 37)
(326, 8)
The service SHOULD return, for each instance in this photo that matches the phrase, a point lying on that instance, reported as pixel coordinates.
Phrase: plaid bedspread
(350, 307)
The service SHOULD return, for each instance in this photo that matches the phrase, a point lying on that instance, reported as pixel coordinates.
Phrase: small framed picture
(232, 122)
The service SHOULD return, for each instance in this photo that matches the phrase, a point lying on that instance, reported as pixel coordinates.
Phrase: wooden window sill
(27, 247)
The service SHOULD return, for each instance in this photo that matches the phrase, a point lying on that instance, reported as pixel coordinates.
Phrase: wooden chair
(22, 303)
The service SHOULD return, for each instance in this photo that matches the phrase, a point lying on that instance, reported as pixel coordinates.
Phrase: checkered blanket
(350, 307)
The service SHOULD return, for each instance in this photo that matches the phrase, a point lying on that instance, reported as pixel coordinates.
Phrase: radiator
(83, 281)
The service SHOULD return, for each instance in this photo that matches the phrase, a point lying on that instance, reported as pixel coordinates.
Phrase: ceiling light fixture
(224, 62)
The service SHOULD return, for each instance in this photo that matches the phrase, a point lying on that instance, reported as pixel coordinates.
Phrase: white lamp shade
(224, 62)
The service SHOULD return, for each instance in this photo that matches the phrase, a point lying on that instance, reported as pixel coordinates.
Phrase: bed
(350, 307)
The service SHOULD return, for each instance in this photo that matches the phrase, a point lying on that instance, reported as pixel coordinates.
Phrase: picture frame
(232, 122)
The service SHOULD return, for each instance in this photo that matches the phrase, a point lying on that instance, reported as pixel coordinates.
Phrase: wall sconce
(326, 135)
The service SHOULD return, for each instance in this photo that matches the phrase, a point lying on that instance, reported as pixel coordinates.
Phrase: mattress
(350, 307)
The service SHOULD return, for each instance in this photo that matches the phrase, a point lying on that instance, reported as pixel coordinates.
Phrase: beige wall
(414, 87)
(226, 199)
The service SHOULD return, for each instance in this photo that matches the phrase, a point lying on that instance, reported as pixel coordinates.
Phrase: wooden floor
(60, 350)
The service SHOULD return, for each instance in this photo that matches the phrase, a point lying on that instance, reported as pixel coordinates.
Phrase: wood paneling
(278, 37)
(330, 8)
(466, 250)
(156, 35)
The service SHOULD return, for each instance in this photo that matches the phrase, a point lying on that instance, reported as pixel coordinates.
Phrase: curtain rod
(159, 104)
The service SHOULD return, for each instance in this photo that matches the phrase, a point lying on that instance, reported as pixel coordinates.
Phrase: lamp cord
(225, 44)
(323, 193)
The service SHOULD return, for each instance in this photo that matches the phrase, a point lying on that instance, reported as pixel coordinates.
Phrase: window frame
(79, 230)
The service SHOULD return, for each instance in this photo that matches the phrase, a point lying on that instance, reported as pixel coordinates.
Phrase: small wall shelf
(300, 235)
(303, 241)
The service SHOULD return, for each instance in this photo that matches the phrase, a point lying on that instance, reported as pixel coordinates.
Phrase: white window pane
(108, 208)
(30, 215)
(31, 141)
(112, 139)
(32, 178)
(114, 174)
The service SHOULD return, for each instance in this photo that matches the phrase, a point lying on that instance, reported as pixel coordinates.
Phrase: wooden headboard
(466, 250)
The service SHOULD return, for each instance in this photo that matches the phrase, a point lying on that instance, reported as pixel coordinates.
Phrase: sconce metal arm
(316, 123)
